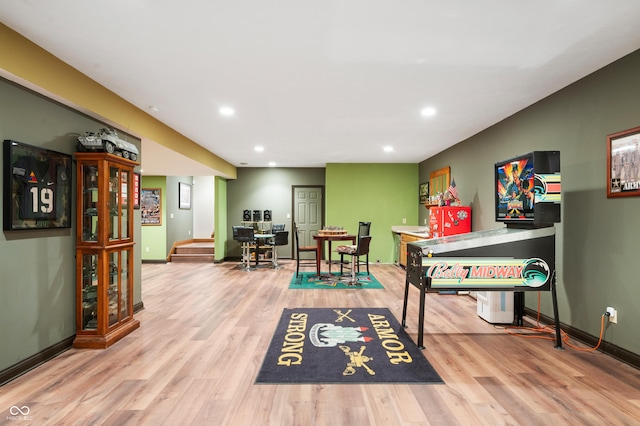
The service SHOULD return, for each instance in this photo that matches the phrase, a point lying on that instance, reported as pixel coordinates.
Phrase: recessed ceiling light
(272, 163)
(154, 108)
(428, 112)
(227, 111)
(388, 149)
(243, 164)
(259, 148)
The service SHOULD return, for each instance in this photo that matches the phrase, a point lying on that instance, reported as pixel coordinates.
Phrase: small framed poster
(37, 187)
(423, 193)
(151, 206)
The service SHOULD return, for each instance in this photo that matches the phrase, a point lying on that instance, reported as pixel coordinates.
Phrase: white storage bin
(495, 307)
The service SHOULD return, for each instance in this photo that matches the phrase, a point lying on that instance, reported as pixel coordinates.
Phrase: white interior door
(307, 212)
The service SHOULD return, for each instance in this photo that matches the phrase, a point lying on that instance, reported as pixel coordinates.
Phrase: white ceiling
(328, 81)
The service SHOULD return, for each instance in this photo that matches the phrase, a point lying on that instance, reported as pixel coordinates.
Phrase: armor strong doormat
(343, 345)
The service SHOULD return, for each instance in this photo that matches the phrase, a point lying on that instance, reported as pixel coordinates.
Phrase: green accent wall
(220, 219)
(383, 194)
(154, 237)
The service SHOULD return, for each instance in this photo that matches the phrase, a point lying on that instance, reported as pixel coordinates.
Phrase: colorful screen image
(528, 189)
(515, 189)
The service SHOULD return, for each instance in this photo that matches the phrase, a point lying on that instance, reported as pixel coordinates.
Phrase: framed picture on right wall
(623, 163)
(423, 193)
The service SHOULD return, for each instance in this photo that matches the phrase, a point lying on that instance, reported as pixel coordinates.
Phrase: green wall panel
(154, 237)
(384, 194)
(220, 219)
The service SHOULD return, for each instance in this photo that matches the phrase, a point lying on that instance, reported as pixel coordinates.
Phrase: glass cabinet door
(89, 291)
(124, 287)
(113, 206)
(113, 290)
(119, 190)
(90, 202)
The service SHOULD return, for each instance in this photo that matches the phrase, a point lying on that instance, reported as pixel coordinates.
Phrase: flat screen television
(528, 189)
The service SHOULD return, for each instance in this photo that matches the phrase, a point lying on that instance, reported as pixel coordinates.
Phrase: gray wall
(597, 241)
(266, 189)
(38, 283)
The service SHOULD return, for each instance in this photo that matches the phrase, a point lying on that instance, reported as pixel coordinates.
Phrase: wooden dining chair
(303, 249)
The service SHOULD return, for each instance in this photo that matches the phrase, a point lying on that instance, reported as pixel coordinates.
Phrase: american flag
(453, 190)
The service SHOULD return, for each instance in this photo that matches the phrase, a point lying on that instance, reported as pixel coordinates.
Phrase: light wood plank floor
(205, 329)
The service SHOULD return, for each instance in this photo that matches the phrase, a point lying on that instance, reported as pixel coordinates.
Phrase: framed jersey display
(37, 187)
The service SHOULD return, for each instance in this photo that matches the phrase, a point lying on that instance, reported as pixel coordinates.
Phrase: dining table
(329, 238)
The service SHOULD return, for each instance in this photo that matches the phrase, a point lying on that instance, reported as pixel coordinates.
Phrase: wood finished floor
(205, 329)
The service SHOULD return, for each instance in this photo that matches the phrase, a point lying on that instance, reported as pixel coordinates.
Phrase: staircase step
(195, 258)
(194, 251)
(190, 249)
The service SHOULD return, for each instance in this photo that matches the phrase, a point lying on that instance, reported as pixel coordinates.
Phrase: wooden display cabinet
(104, 250)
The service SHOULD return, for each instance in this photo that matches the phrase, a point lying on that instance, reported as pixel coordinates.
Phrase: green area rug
(310, 280)
(343, 345)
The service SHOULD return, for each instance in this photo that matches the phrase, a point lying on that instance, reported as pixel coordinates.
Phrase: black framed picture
(37, 187)
(423, 193)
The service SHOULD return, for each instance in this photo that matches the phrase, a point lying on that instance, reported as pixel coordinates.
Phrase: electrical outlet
(146, 249)
(404, 220)
(613, 314)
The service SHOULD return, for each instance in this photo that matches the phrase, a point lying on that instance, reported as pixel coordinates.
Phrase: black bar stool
(281, 238)
(247, 239)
